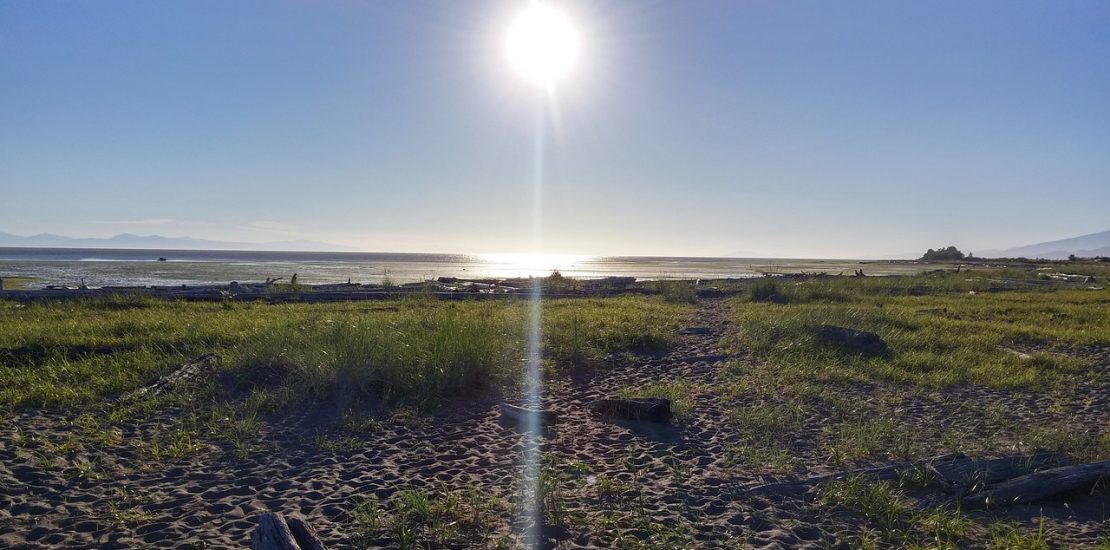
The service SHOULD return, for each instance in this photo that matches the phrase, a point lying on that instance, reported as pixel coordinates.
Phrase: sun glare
(535, 264)
(542, 44)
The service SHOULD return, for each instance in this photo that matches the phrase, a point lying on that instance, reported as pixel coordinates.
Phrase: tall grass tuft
(422, 354)
(417, 348)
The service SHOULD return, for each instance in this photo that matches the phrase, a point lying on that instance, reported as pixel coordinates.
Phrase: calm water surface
(99, 267)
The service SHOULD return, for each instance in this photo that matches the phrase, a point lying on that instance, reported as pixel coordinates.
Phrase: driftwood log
(956, 473)
(879, 473)
(191, 371)
(651, 409)
(521, 415)
(276, 532)
(1040, 485)
(968, 475)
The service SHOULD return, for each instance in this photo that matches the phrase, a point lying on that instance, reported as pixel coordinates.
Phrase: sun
(542, 44)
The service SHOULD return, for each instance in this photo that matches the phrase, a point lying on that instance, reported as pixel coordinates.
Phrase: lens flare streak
(532, 493)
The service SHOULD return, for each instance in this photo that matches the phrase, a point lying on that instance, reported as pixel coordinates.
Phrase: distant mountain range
(158, 242)
(1095, 244)
(1085, 246)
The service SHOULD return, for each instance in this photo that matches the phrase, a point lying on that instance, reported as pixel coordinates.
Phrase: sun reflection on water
(531, 264)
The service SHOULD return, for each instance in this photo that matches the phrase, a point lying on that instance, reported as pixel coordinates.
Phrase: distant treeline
(951, 253)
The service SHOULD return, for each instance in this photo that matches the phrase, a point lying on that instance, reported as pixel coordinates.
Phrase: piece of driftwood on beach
(523, 416)
(276, 532)
(189, 372)
(1040, 485)
(970, 475)
(957, 474)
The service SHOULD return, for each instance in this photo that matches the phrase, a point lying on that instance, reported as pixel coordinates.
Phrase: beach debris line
(276, 532)
(651, 409)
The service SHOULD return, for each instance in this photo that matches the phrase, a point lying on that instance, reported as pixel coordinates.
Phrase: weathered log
(187, 373)
(523, 415)
(854, 341)
(956, 473)
(275, 532)
(1040, 485)
(652, 409)
(969, 475)
(272, 533)
(879, 473)
(304, 533)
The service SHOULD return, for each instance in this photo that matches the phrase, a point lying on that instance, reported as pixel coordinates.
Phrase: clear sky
(735, 127)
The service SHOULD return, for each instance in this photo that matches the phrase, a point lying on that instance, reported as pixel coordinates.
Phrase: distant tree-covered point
(945, 254)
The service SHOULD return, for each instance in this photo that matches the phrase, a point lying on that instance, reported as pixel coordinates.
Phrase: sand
(214, 498)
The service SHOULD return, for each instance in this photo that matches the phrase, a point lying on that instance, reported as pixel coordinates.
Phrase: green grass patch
(18, 283)
(418, 350)
(884, 506)
(938, 337)
(677, 291)
(417, 518)
(767, 431)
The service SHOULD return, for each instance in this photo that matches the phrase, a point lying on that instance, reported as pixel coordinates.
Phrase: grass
(877, 501)
(884, 505)
(419, 350)
(767, 430)
(614, 508)
(940, 335)
(18, 283)
(374, 363)
(788, 393)
(417, 518)
(1001, 337)
(1007, 536)
(677, 291)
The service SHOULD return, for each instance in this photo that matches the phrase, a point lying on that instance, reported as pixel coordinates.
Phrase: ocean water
(102, 267)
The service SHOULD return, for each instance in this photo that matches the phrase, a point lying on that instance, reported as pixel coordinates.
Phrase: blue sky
(814, 129)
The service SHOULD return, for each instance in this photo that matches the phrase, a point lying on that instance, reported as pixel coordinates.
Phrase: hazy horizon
(714, 129)
(1096, 244)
